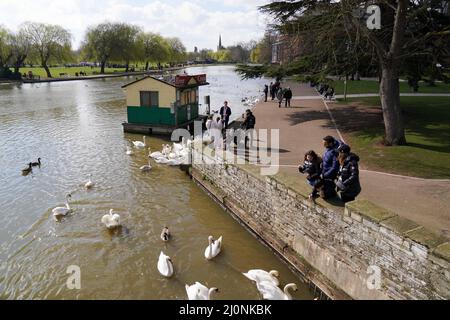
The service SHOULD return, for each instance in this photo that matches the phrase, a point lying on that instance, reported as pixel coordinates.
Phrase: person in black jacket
(288, 97)
(312, 166)
(248, 124)
(225, 113)
(348, 183)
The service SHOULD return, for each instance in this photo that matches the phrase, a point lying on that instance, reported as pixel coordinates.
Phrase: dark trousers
(266, 94)
(327, 189)
(287, 103)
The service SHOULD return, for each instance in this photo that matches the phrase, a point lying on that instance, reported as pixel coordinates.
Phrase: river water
(75, 127)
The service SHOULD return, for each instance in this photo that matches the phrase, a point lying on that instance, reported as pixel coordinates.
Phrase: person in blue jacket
(330, 167)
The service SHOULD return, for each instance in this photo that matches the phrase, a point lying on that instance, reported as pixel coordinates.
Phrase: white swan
(214, 247)
(165, 234)
(89, 184)
(165, 266)
(129, 151)
(161, 160)
(111, 220)
(173, 162)
(156, 155)
(199, 292)
(139, 144)
(272, 292)
(259, 275)
(62, 211)
(146, 167)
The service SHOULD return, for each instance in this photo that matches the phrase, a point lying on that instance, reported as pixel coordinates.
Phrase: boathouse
(161, 105)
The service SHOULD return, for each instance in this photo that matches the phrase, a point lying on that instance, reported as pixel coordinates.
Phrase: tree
(177, 51)
(153, 47)
(21, 45)
(127, 43)
(100, 43)
(49, 42)
(340, 35)
(5, 51)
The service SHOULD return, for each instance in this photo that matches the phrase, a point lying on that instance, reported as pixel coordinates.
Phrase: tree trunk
(146, 66)
(127, 66)
(390, 103)
(47, 70)
(102, 67)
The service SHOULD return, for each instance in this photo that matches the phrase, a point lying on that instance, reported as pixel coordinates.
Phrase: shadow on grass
(424, 120)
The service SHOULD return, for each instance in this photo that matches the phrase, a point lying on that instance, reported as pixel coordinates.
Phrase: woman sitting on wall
(348, 183)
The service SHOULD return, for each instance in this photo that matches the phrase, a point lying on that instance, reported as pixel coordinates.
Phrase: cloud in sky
(196, 22)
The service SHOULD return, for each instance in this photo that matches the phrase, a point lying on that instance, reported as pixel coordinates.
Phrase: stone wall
(338, 249)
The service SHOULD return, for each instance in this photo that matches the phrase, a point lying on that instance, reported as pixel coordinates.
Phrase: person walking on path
(266, 92)
(272, 90)
(216, 133)
(288, 96)
(280, 95)
(225, 113)
(348, 183)
(330, 167)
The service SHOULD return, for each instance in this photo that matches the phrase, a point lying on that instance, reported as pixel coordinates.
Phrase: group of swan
(169, 155)
(267, 284)
(111, 220)
(196, 291)
(250, 102)
(172, 156)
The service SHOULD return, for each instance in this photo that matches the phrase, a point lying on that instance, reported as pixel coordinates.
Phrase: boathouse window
(149, 99)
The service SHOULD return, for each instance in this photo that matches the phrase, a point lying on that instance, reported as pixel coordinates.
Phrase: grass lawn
(427, 124)
(70, 71)
(366, 86)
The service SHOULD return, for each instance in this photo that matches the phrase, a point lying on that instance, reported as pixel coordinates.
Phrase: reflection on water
(75, 127)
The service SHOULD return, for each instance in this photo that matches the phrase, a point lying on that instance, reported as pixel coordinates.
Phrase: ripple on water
(76, 131)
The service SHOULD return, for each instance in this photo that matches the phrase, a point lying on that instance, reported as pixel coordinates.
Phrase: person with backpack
(348, 183)
(330, 167)
(280, 96)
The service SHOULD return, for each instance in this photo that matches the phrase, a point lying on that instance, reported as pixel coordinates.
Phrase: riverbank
(340, 250)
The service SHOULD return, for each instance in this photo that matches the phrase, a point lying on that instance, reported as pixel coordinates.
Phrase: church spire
(220, 43)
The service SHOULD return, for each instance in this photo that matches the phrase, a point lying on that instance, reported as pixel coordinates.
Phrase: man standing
(288, 97)
(272, 95)
(266, 92)
(225, 113)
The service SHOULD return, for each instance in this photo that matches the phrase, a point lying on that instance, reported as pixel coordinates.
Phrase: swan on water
(199, 292)
(129, 151)
(259, 275)
(271, 292)
(165, 234)
(38, 163)
(140, 144)
(89, 184)
(214, 247)
(62, 211)
(111, 220)
(146, 167)
(165, 266)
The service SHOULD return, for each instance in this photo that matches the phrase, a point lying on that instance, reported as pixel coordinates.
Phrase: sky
(195, 22)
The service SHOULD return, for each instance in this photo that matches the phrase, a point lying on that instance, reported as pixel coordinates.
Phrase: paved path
(302, 128)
